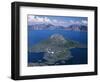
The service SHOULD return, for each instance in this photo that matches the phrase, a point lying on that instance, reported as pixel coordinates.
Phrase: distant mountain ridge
(77, 27)
(74, 27)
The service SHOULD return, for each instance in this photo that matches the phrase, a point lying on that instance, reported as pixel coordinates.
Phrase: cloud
(46, 19)
(30, 18)
(37, 19)
(79, 22)
(59, 22)
(34, 19)
(84, 22)
(55, 21)
(74, 22)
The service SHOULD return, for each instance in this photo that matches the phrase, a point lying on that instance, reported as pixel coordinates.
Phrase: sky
(56, 20)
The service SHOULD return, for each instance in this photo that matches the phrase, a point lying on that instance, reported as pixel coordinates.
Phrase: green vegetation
(56, 48)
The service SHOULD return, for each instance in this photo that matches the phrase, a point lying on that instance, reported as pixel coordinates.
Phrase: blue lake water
(79, 54)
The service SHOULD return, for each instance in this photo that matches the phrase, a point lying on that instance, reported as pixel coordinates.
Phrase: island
(56, 48)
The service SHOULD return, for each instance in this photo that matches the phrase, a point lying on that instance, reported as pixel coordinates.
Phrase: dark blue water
(79, 54)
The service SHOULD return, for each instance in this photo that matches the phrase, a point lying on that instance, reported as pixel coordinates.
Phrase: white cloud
(84, 22)
(46, 19)
(72, 21)
(55, 21)
(30, 18)
(37, 19)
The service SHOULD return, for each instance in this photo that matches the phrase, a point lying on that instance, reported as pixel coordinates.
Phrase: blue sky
(57, 20)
